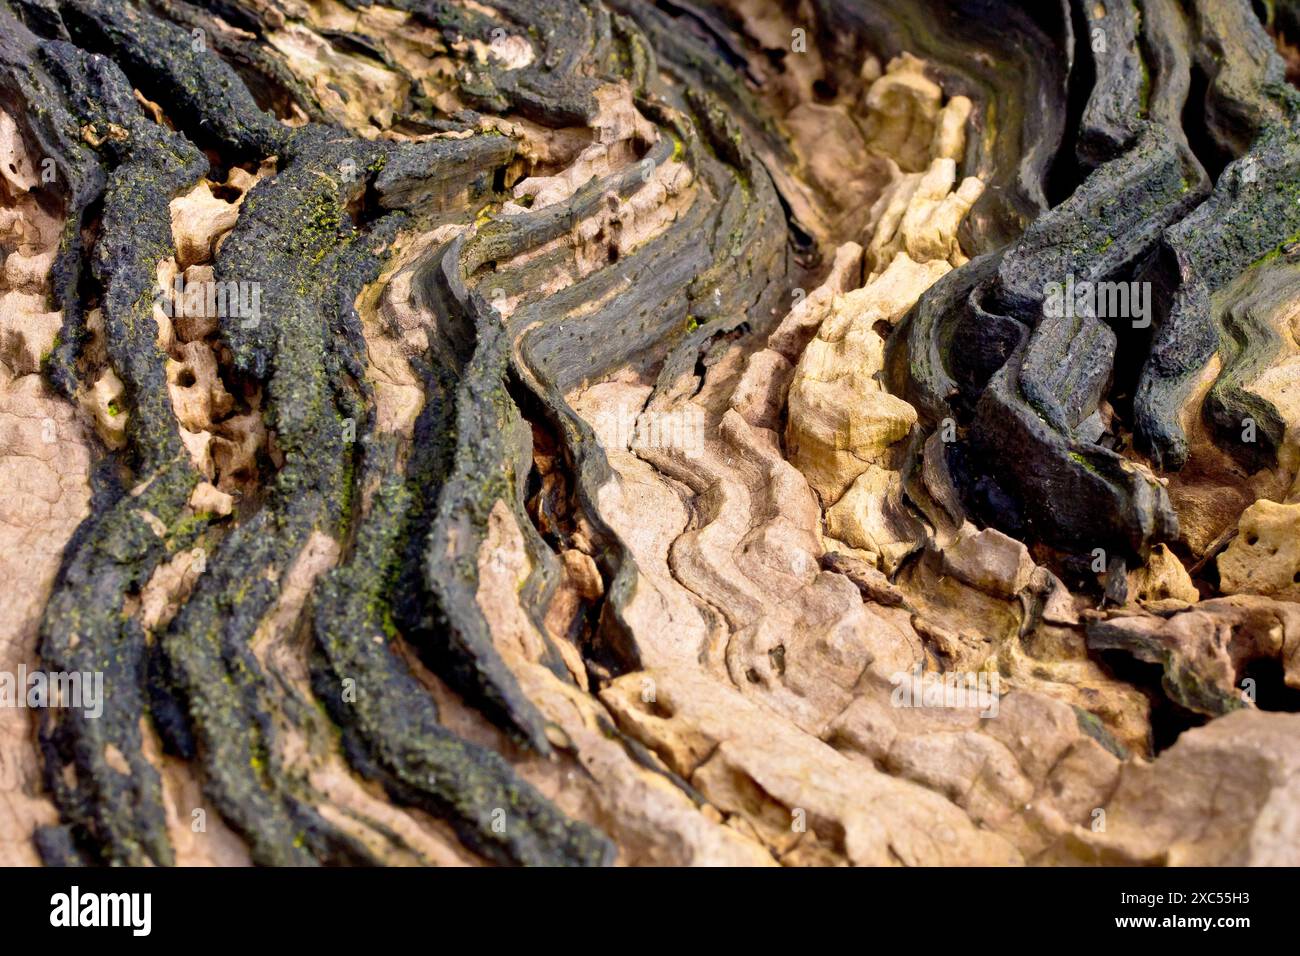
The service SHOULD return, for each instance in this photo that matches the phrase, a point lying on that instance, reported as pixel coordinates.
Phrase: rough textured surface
(610, 432)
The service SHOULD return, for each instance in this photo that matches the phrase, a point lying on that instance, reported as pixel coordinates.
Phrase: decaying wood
(596, 431)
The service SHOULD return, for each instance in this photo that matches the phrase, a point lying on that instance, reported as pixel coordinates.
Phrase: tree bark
(593, 431)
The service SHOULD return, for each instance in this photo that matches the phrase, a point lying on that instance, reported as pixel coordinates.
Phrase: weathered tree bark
(593, 431)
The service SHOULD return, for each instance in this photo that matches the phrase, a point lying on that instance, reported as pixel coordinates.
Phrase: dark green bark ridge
(1183, 193)
(215, 704)
(391, 727)
(85, 626)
